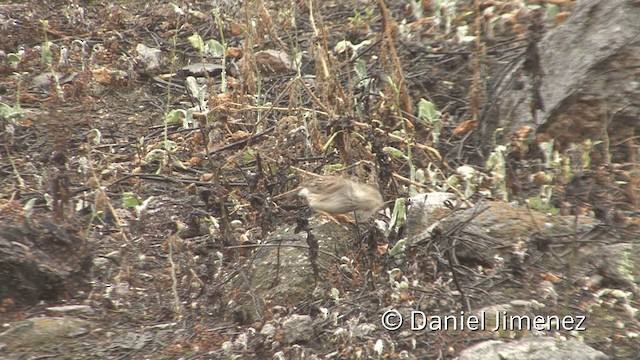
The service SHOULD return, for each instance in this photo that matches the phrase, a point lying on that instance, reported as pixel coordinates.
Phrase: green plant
(131, 200)
(10, 115)
(47, 59)
(496, 166)
(429, 115)
(359, 18)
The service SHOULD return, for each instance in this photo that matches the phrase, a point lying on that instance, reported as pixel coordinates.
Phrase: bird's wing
(330, 185)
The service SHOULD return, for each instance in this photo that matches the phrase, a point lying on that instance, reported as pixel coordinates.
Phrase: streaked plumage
(336, 195)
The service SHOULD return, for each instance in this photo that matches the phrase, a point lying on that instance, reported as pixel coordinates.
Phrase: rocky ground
(150, 152)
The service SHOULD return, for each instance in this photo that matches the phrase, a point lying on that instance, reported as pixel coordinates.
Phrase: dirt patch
(175, 173)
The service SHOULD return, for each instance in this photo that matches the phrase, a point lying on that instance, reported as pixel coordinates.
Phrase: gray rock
(540, 348)
(298, 328)
(148, 58)
(70, 310)
(42, 332)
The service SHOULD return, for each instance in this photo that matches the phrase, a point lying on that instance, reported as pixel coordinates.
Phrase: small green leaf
(297, 60)
(394, 152)
(360, 67)
(196, 41)
(197, 91)
(28, 207)
(335, 294)
(427, 111)
(331, 168)
(342, 46)
(155, 154)
(13, 60)
(552, 11)
(48, 200)
(248, 156)
(46, 54)
(398, 248)
(420, 176)
(468, 172)
(399, 213)
(214, 48)
(177, 9)
(357, 47)
(170, 145)
(175, 116)
(393, 274)
(94, 136)
(130, 200)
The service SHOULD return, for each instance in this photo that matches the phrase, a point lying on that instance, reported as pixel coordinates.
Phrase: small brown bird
(336, 195)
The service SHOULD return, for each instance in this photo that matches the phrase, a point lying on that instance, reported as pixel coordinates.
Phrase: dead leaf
(190, 189)
(238, 135)
(382, 249)
(235, 53)
(273, 62)
(206, 177)
(195, 161)
(102, 77)
(551, 277)
(464, 127)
